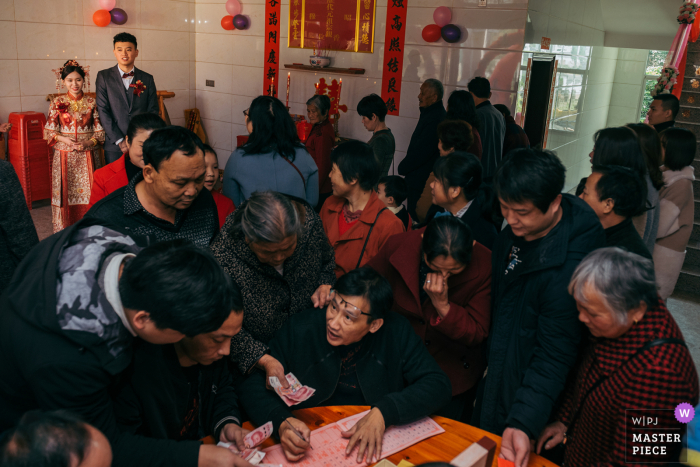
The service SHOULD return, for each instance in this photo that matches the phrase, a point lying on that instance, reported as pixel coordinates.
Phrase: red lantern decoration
(101, 18)
(431, 33)
(227, 23)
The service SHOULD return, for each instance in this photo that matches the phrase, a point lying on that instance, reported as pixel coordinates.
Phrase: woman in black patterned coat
(275, 249)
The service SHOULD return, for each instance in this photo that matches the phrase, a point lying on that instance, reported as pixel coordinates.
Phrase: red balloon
(101, 18)
(431, 33)
(227, 23)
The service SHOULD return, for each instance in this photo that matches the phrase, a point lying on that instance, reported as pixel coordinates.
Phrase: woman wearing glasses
(272, 159)
(356, 353)
(275, 249)
(441, 279)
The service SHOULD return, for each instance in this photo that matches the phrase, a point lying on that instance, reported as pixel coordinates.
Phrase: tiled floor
(685, 308)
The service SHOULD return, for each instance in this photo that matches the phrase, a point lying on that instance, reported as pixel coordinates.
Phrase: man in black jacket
(356, 353)
(423, 148)
(70, 316)
(617, 194)
(535, 332)
(184, 391)
(167, 200)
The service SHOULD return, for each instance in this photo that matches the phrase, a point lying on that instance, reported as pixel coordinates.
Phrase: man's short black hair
(145, 121)
(531, 175)
(480, 87)
(367, 283)
(680, 146)
(395, 187)
(669, 102)
(55, 439)
(356, 161)
(455, 134)
(125, 37)
(624, 186)
(163, 143)
(503, 109)
(372, 105)
(181, 286)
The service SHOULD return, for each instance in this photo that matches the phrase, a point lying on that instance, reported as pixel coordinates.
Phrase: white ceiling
(640, 24)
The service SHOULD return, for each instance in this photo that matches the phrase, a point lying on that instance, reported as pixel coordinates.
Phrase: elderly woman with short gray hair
(636, 359)
(320, 142)
(275, 249)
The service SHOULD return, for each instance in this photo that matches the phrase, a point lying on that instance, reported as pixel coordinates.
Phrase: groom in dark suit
(120, 95)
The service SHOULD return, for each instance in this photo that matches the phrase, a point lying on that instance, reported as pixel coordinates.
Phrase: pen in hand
(298, 434)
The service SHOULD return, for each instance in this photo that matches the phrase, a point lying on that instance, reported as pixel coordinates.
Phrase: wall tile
(248, 51)
(165, 15)
(219, 133)
(36, 77)
(99, 44)
(38, 41)
(176, 105)
(618, 116)
(34, 104)
(492, 4)
(629, 72)
(54, 11)
(168, 75)
(213, 48)
(220, 74)
(638, 55)
(246, 81)
(7, 10)
(131, 7)
(626, 95)
(215, 106)
(9, 105)
(8, 39)
(165, 45)
(9, 77)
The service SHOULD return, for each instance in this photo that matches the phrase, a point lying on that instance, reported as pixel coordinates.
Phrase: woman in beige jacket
(677, 205)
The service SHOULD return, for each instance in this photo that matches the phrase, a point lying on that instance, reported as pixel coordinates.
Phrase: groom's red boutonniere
(139, 87)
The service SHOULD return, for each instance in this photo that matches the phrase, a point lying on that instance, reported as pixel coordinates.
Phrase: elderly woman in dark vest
(441, 279)
(636, 359)
(275, 249)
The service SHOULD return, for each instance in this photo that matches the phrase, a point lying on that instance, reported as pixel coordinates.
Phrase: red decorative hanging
(392, 68)
(271, 66)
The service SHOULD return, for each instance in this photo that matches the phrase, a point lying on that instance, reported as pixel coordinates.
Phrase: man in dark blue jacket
(423, 149)
(535, 332)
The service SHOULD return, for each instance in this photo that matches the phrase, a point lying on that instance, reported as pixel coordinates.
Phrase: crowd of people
(470, 286)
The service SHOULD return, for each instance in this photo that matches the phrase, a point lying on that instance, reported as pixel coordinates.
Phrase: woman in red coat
(320, 142)
(224, 205)
(117, 174)
(441, 280)
(636, 359)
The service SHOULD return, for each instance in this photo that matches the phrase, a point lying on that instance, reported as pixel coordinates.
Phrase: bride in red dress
(74, 131)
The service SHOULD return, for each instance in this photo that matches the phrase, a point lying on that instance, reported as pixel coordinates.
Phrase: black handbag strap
(644, 348)
(371, 227)
(298, 171)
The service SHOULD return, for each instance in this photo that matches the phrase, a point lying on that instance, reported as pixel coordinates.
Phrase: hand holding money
(273, 368)
(234, 434)
(294, 393)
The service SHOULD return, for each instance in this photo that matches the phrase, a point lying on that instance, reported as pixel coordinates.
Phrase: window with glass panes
(655, 63)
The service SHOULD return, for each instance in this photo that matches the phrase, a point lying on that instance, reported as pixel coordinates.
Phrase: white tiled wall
(491, 46)
(40, 35)
(625, 99)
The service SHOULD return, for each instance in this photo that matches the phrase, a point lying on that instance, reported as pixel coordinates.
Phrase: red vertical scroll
(394, 41)
(272, 47)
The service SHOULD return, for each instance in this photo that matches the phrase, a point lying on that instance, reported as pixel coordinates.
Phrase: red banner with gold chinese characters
(394, 41)
(272, 47)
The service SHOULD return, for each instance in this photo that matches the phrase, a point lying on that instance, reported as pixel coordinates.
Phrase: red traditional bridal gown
(71, 170)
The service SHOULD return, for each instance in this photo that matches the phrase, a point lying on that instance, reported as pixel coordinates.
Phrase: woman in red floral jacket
(637, 359)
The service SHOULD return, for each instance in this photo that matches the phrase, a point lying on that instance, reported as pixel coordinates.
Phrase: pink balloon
(442, 16)
(233, 7)
(108, 4)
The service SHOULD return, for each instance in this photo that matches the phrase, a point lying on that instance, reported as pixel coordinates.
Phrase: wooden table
(444, 447)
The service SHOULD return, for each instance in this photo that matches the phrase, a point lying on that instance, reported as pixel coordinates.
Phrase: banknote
(251, 455)
(295, 393)
(258, 436)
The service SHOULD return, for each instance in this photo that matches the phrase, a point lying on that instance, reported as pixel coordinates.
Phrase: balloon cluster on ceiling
(234, 19)
(442, 27)
(109, 14)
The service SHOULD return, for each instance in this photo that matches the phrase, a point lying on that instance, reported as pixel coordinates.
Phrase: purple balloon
(451, 33)
(240, 21)
(119, 16)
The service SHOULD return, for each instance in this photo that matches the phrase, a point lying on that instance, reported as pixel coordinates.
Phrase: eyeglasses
(246, 112)
(344, 306)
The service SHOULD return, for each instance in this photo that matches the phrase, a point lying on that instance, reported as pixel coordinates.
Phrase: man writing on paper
(184, 391)
(356, 353)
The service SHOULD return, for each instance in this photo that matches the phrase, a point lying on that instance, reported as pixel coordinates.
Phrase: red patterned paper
(394, 41)
(332, 25)
(272, 47)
